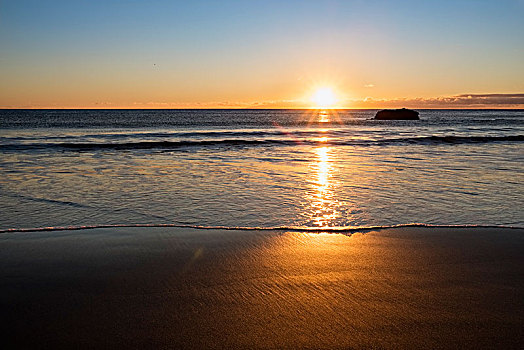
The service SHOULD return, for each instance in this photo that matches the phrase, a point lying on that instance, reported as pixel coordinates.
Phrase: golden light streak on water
(322, 198)
(323, 117)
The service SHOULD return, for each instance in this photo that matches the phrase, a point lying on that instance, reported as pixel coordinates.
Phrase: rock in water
(397, 114)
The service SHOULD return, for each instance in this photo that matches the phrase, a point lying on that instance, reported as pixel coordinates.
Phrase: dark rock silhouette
(397, 114)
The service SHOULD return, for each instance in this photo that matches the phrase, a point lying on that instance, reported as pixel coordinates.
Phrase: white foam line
(248, 228)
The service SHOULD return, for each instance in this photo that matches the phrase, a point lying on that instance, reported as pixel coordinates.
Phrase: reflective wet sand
(186, 288)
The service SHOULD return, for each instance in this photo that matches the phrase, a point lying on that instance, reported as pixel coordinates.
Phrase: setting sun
(324, 98)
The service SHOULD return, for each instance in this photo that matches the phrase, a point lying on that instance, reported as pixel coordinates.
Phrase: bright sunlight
(324, 98)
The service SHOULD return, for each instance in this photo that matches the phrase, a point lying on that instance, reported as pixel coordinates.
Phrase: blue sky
(80, 52)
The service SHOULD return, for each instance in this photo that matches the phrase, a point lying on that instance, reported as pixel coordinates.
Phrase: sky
(261, 54)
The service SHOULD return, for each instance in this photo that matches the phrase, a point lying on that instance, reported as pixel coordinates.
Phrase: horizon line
(248, 108)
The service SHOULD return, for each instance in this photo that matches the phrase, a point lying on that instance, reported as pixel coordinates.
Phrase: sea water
(260, 168)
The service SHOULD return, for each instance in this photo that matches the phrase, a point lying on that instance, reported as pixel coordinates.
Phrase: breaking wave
(139, 145)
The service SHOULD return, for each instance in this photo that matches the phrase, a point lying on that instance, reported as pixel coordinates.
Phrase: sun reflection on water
(323, 117)
(322, 199)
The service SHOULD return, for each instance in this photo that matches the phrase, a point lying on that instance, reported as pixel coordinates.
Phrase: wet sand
(187, 288)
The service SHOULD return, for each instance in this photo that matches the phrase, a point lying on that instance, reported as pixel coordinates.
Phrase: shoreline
(296, 229)
(150, 287)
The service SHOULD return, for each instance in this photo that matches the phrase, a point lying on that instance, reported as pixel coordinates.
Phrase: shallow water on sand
(260, 168)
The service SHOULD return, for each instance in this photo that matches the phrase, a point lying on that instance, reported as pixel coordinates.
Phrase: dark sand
(185, 288)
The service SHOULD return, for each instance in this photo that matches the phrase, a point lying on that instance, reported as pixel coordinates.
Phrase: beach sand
(188, 288)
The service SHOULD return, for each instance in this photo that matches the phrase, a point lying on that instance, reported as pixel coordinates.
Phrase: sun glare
(324, 98)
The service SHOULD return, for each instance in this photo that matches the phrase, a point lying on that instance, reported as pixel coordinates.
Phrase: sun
(324, 98)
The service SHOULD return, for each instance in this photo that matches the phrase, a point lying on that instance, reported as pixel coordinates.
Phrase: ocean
(305, 169)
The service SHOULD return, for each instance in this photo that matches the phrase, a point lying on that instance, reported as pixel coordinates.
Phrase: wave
(145, 145)
(342, 230)
(181, 134)
(45, 200)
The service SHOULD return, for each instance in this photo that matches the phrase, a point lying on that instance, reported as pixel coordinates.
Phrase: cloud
(369, 85)
(515, 100)
(456, 101)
